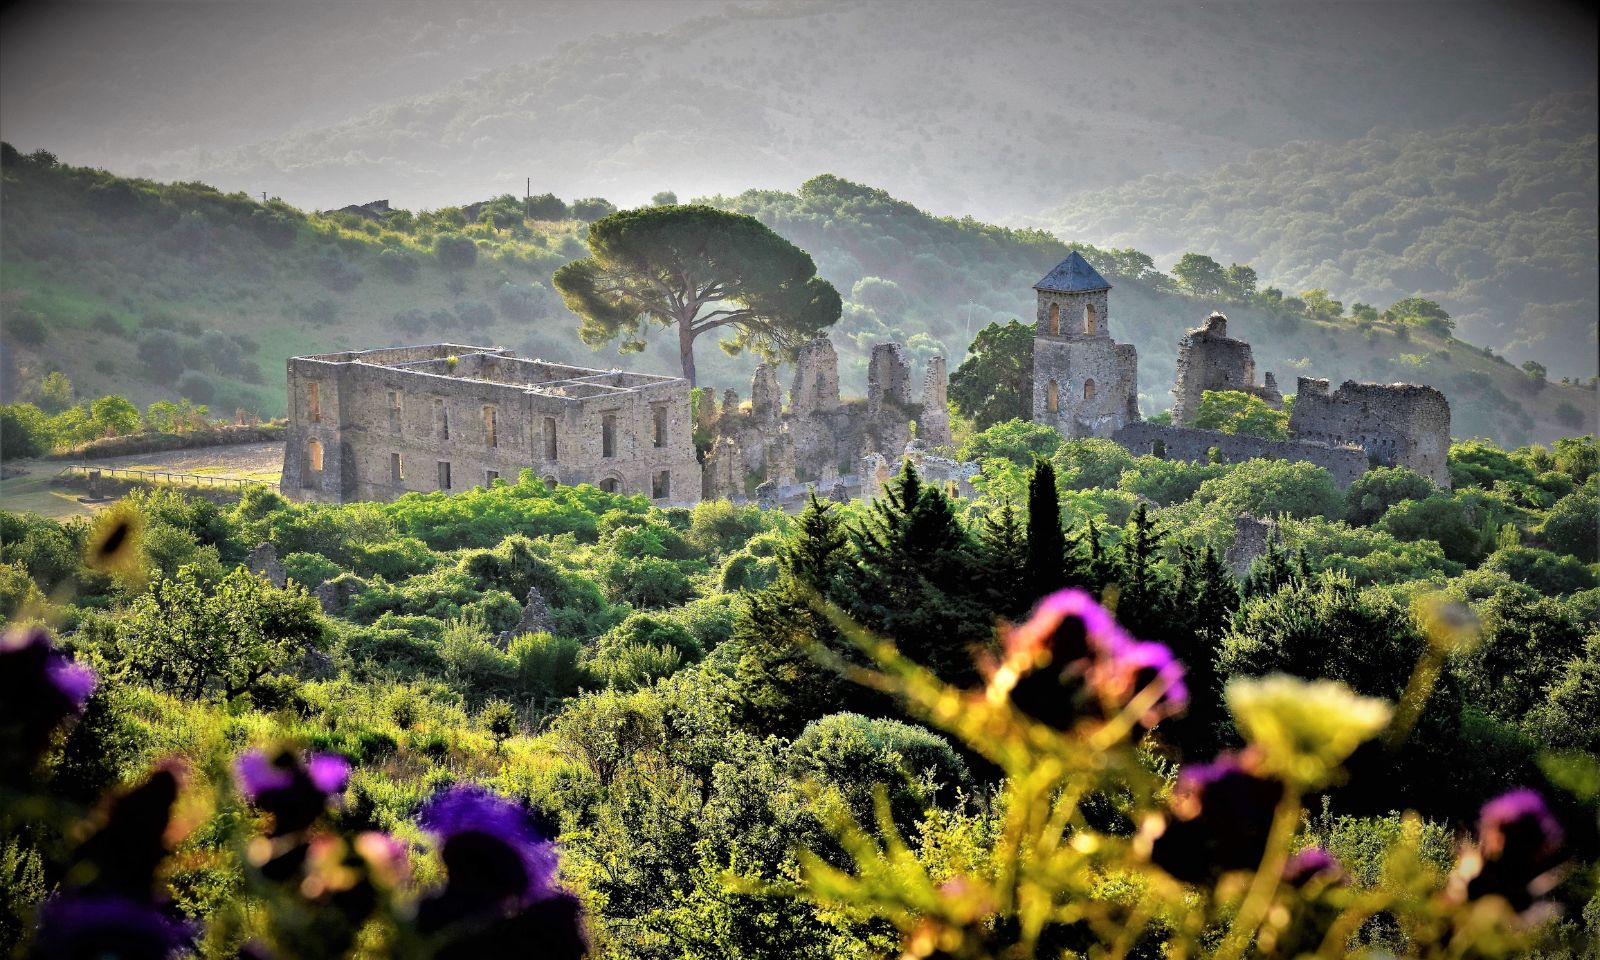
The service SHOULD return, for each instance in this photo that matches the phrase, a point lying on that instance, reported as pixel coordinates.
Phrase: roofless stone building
(376, 424)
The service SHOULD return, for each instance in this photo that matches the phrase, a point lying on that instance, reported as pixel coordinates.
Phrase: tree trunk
(686, 349)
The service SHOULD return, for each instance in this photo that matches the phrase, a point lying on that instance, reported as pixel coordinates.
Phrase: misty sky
(431, 102)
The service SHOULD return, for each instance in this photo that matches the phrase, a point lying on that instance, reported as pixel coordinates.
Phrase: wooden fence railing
(169, 477)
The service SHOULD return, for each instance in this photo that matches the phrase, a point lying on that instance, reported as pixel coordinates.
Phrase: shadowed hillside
(1497, 221)
(157, 290)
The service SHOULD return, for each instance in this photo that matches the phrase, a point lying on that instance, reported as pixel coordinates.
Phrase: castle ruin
(1086, 385)
(820, 440)
(376, 424)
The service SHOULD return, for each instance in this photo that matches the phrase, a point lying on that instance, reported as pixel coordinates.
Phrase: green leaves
(699, 269)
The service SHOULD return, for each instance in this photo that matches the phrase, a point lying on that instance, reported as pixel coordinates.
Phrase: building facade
(376, 424)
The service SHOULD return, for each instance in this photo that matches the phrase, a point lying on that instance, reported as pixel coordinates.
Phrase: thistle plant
(1218, 866)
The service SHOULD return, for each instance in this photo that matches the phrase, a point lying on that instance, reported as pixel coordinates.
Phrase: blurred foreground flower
(1303, 729)
(115, 545)
(40, 688)
(1519, 850)
(1071, 648)
(499, 897)
(295, 793)
(88, 927)
(1221, 818)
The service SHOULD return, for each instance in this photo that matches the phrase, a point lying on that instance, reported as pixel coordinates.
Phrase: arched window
(611, 485)
(1055, 319)
(1052, 396)
(313, 471)
(1088, 389)
(1090, 327)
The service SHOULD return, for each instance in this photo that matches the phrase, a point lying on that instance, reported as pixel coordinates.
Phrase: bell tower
(1084, 383)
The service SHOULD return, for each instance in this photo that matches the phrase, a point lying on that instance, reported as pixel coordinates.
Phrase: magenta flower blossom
(1129, 668)
(40, 688)
(1221, 815)
(295, 793)
(1070, 647)
(1312, 863)
(87, 927)
(1519, 843)
(499, 893)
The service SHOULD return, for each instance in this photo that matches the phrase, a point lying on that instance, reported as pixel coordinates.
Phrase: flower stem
(1285, 820)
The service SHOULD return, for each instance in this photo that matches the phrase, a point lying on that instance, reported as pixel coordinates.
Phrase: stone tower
(1209, 359)
(1085, 384)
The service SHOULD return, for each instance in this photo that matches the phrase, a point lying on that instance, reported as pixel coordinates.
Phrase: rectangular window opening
(441, 419)
(491, 437)
(444, 475)
(661, 485)
(314, 401)
(550, 439)
(394, 411)
(658, 414)
(490, 476)
(608, 435)
(397, 470)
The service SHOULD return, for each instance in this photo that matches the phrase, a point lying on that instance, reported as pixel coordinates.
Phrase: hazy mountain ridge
(997, 111)
(95, 266)
(1496, 221)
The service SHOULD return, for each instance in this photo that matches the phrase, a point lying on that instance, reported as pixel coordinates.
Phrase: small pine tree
(914, 582)
(778, 685)
(1144, 602)
(1003, 542)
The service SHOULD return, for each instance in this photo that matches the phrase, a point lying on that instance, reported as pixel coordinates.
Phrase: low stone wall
(137, 443)
(1191, 444)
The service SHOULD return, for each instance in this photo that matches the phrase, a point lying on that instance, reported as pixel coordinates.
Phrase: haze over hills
(1497, 221)
(993, 110)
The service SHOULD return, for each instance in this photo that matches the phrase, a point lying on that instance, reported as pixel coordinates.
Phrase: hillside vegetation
(1495, 220)
(155, 291)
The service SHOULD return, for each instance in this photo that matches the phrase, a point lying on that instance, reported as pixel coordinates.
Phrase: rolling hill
(1498, 221)
(155, 290)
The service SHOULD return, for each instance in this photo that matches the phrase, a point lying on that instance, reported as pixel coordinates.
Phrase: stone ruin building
(820, 440)
(1209, 359)
(1086, 385)
(376, 424)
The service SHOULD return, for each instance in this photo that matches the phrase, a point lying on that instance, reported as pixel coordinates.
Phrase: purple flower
(40, 687)
(1047, 655)
(87, 927)
(1519, 846)
(1221, 815)
(1312, 863)
(500, 870)
(1129, 668)
(1071, 639)
(295, 793)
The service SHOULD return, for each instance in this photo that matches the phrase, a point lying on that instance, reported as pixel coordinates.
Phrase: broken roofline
(583, 383)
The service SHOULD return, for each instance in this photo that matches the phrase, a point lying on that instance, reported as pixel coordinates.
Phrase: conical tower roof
(1073, 275)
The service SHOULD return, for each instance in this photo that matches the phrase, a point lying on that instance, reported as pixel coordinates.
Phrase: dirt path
(33, 492)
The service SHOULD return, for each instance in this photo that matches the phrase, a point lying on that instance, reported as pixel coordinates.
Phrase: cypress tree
(1047, 542)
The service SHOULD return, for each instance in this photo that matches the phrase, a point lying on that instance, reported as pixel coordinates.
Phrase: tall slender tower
(1084, 383)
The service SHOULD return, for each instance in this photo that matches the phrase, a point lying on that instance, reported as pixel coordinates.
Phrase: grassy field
(34, 492)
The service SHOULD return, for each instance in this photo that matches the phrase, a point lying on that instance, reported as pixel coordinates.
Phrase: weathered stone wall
(389, 421)
(1194, 445)
(1085, 387)
(1209, 359)
(1397, 424)
(820, 437)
